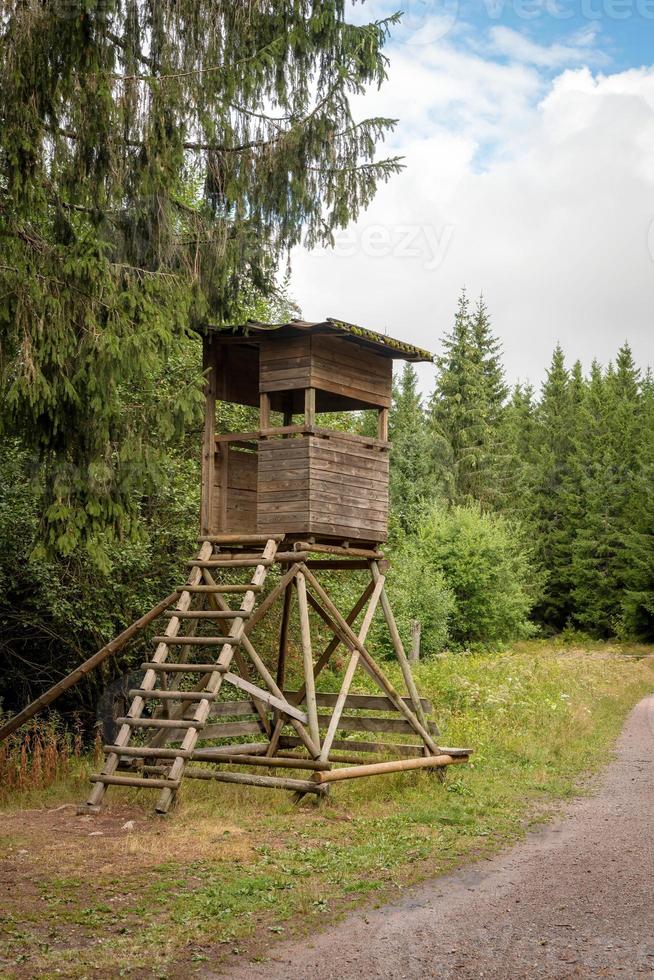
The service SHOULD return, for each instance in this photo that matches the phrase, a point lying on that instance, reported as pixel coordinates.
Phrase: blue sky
(528, 138)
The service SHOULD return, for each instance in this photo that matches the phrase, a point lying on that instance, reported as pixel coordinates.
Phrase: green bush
(418, 591)
(466, 575)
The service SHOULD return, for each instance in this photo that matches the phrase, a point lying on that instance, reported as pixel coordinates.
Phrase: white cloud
(540, 193)
(517, 47)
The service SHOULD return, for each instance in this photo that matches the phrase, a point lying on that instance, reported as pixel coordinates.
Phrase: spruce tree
(550, 494)
(638, 555)
(458, 408)
(517, 465)
(489, 352)
(156, 159)
(608, 459)
(418, 470)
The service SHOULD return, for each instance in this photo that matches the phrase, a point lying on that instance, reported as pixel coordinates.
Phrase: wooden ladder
(195, 703)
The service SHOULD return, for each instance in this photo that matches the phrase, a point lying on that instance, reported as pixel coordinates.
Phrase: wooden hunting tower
(296, 475)
(294, 498)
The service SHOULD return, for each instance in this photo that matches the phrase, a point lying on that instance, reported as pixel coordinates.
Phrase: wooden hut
(297, 474)
(283, 502)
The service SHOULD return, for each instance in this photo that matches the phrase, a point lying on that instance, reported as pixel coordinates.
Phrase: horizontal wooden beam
(302, 428)
(333, 549)
(370, 702)
(251, 779)
(240, 538)
(395, 765)
(146, 783)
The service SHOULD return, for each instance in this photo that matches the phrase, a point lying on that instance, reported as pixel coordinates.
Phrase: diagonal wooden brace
(353, 642)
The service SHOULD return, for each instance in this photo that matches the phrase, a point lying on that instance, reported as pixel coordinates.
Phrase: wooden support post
(405, 666)
(210, 356)
(223, 469)
(281, 665)
(414, 655)
(288, 412)
(307, 657)
(309, 406)
(283, 637)
(264, 410)
(382, 424)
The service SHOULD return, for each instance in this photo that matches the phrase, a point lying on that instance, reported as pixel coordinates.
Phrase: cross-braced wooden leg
(352, 640)
(349, 673)
(307, 657)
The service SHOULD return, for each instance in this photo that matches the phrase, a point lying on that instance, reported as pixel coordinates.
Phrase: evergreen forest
(157, 164)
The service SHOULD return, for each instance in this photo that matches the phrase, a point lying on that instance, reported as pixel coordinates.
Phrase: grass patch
(232, 867)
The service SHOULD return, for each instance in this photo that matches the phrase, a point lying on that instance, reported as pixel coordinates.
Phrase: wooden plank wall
(338, 366)
(348, 489)
(284, 485)
(327, 363)
(238, 510)
(285, 365)
(331, 486)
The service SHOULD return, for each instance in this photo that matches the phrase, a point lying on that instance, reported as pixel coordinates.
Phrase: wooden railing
(302, 429)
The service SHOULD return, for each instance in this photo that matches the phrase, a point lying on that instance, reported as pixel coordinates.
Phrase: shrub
(480, 563)
(418, 591)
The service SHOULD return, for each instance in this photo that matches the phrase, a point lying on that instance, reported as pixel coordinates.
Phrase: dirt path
(573, 900)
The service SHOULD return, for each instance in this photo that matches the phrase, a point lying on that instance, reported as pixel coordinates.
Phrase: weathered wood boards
(302, 479)
(316, 486)
(329, 365)
(207, 653)
(234, 490)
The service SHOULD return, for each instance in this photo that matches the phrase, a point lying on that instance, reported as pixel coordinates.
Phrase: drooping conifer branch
(155, 159)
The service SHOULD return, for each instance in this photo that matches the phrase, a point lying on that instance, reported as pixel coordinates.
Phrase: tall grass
(41, 753)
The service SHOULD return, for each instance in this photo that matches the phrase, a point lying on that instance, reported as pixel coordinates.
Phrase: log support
(207, 650)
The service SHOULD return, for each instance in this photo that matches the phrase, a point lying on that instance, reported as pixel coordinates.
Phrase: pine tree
(518, 439)
(608, 459)
(552, 475)
(156, 159)
(638, 558)
(417, 469)
(459, 409)
(489, 353)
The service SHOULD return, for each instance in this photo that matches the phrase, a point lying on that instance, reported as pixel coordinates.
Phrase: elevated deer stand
(272, 499)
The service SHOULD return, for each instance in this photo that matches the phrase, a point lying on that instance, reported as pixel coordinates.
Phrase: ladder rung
(172, 695)
(197, 641)
(219, 588)
(230, 562)
(148, 752)
(207, 614)
(237, 539)
(99, 777)
(159, 723)
(223, 556)
(182, 668)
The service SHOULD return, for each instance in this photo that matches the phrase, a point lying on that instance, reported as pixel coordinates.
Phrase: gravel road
(575, 899)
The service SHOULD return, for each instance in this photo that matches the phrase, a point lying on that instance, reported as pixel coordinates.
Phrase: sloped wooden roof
(381, 343)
